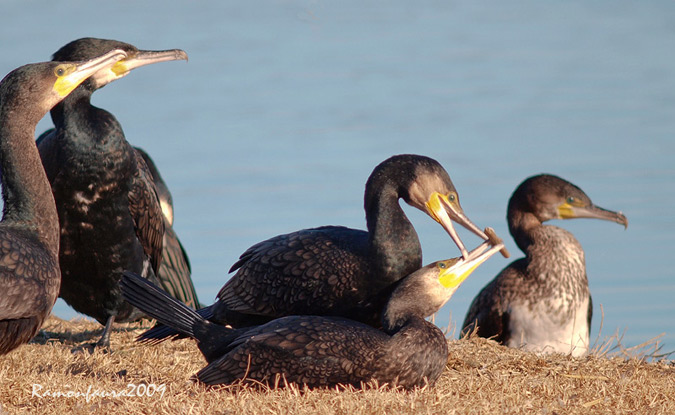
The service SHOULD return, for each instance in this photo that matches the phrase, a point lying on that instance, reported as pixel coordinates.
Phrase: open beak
(570, 211)
(78, 72)
(444, 211)
(454, 275)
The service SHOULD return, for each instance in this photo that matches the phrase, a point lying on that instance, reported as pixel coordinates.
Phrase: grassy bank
(481, 377)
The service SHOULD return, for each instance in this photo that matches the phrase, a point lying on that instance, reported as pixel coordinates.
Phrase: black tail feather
(161, 332)
(213, 339)
(157, 304)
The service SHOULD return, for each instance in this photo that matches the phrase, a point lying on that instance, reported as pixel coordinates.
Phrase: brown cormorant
(541, 302)
(109, 211)
(29, 230)
(320, 351)
(338, 271)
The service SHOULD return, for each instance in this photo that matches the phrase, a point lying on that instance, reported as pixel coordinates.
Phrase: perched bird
(541, 302)
(320, 351)
(29, 230)
(109, 210)
(338, 271)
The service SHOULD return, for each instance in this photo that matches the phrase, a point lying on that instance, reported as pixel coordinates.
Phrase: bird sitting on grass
(541, 302)
(320, 351)
(338, 271)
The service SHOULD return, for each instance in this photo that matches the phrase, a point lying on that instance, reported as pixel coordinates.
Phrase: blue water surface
(285, 107)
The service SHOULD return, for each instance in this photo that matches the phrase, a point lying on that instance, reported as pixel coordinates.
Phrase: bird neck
(395, 247)
(415, 297)
(91, 136)
(556, 251)
(77, 102)
(27, 195)
(555, 262)
(522, 226)
(86, 125)
(410, 330)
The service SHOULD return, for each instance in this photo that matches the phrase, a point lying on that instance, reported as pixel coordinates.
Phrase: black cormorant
(174, 270)
(541, 302)
(163, 193)
(29, 230)
(339, 271)
(109, 211)
(320, 351)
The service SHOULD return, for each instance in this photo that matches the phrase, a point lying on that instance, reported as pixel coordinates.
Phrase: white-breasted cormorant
(29, 230)
(541, 302)
(320, 351)
(338, 271)
(110, 214)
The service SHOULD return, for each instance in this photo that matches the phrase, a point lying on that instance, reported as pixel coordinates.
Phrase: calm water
(286, 106)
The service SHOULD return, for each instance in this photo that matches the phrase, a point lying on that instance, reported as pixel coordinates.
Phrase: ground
(57, 373)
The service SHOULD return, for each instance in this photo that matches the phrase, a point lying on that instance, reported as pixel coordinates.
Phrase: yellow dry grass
(481, 377)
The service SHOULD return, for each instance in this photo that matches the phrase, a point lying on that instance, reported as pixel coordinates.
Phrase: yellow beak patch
(451, 279)
(566, 211)
(435, 205)
(120, 68)
(66, 81)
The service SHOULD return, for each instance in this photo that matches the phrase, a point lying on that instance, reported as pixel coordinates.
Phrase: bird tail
(157, 304)
(160, 332)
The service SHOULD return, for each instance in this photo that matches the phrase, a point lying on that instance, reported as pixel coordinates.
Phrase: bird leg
(104, 341)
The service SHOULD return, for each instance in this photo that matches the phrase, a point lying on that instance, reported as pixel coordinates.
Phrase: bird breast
(542, 328)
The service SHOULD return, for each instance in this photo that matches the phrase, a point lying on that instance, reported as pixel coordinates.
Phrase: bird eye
(442, 265)
(452, 197)
(61, 70)
(571, 200)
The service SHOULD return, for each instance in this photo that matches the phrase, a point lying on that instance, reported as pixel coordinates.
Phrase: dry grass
(481, 377)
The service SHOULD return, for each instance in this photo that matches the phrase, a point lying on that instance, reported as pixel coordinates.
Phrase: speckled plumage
(110, 215)
(289, 273)
(174, 270)
(29, 230)
(334, 270)
(326, 351)
(29, 280)
(541, 302)
(323, 351)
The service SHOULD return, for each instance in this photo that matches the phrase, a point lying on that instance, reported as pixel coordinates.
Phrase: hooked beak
(453, 276)
(570, 211)
(140, 58)
(147, 57)
(444, 211)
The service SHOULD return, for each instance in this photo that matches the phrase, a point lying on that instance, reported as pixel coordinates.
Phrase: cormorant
(174, 270)
(109, 210)
(163, 193)
(320, 351)
(29, 230)
(338, 271)
(541, 302)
